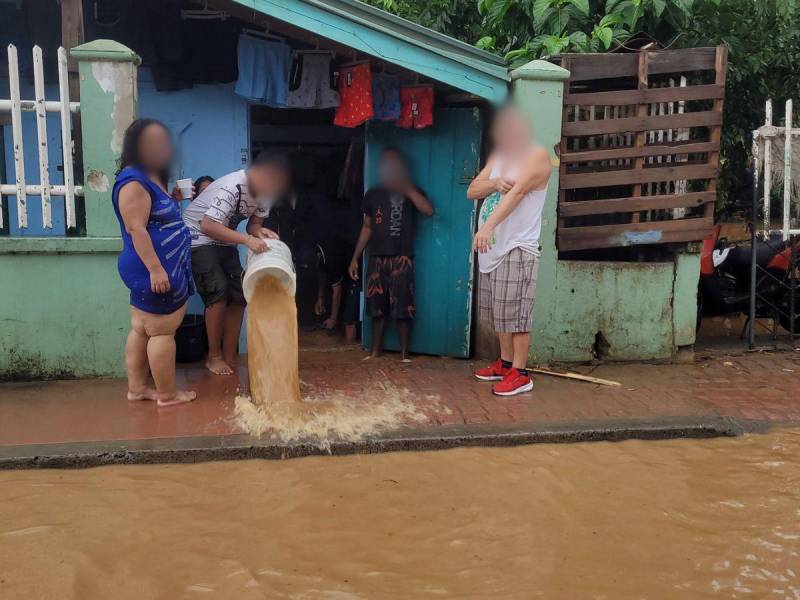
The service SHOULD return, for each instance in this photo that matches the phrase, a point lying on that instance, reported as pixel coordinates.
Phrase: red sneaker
(494, 372)
(512, 384)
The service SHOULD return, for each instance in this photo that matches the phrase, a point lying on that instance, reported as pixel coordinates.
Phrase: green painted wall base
(616, 311)
(62, 314)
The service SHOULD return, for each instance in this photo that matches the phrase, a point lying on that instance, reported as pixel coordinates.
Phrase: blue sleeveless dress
(171, 242)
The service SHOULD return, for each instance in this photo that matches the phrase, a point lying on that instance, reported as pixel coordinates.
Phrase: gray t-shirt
(226, 201)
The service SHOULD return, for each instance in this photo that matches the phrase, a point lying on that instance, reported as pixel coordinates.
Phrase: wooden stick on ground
(577, 376)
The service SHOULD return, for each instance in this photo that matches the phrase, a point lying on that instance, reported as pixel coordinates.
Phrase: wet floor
(713, 518)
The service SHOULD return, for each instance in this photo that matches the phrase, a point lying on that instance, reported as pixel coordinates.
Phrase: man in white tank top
(514, 186)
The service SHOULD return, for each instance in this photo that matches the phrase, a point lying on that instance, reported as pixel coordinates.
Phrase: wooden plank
(641, 113)
(562, 144)
(721, 65)
(642, 122)
(587, 67)
(574, 181)
(680, 61)
(72, 31)
(668, 149)
(632, 203)
(666, 94)
(634, 234)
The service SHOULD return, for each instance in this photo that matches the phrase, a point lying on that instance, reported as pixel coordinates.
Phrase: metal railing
(16, 106)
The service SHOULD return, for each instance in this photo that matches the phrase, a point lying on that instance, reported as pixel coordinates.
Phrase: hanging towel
(416, 107)
(355, 93)
(263, 70)
(385, 97)
(314, 86)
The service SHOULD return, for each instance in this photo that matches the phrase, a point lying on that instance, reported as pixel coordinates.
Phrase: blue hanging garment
(263, 70)
(385, 97)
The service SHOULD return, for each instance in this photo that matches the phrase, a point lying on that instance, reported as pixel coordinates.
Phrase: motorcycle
(725, 274)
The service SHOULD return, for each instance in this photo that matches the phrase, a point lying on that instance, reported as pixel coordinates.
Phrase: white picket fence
(15, 105)
(775, 148)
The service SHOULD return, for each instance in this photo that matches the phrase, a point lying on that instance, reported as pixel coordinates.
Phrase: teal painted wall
(443, 160)
(62, 314)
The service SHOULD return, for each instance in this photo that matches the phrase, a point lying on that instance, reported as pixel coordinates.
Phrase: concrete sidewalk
(82, 423)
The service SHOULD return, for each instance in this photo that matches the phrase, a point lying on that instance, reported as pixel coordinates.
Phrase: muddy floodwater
(677, 519)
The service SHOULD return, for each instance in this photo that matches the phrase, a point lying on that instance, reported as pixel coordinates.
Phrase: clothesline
(272, 73)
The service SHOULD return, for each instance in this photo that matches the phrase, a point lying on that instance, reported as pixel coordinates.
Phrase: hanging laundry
(312, 73)
(263, 70)
(385, 97)
(355, 95)
(416, 107)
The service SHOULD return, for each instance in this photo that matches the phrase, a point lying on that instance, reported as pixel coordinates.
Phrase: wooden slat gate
(640, 147)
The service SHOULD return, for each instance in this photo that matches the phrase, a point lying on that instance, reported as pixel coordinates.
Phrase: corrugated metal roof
(396, 40)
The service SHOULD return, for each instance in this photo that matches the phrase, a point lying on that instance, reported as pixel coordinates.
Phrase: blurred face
(155, 148)
(202, 187)
(392, 170)
(267, 183)
(511, 132)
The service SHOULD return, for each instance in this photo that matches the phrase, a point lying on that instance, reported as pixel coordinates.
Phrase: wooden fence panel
(640, 147)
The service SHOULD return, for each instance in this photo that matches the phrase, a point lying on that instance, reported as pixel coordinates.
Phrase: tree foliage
(762, 37)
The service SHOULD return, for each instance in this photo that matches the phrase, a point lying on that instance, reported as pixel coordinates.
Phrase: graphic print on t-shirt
(392, 217)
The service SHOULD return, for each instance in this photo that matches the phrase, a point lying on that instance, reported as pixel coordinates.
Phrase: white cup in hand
(185, 186)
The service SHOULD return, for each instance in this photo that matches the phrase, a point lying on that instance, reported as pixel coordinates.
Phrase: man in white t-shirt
(514, 185)
(212, 219)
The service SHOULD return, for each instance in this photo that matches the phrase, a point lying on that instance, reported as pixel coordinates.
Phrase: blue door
(443, 159)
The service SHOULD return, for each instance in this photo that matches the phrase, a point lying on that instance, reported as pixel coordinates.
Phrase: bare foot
(405, 360)
(179, 397)
(146, 394)
(218, 366)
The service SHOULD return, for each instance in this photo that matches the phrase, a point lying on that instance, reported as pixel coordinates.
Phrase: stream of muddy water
(717, 518)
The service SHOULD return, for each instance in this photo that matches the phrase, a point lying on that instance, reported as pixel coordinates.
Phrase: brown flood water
(676, 519)
(275, 405)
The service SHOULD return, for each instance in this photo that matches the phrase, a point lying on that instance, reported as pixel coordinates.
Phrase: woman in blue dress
(155, 262)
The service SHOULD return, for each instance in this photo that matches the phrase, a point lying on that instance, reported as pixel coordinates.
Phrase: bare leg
(136, 360)
(161, 356)
(336, 303)
(350, 332)
(215, 319)
(521, 343)
(234, 315)
(506, 346)
(377, 336)
(160, 330)
(403, 327)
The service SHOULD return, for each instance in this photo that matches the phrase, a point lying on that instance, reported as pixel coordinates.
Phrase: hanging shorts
(355, 96)
(314, 86)
(505, 295)
(263, 70)
(385, 97)
(416, 107)
(390, 287)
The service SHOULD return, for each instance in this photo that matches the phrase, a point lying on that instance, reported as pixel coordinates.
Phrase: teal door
(443, 159)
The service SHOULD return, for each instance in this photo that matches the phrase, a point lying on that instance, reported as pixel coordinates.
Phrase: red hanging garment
(416, 107)
(355, 93)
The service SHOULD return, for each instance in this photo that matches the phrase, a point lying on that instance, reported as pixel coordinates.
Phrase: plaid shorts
(505, 295)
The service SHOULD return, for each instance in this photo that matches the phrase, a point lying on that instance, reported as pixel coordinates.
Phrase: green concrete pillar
(107, 71)
(537, 89)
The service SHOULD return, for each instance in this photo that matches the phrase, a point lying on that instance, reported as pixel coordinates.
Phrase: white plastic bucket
(275, 262)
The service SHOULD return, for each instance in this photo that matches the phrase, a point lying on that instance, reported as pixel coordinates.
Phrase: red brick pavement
(748, 386)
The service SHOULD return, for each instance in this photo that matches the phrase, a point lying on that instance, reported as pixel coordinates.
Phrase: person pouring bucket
(212, 218)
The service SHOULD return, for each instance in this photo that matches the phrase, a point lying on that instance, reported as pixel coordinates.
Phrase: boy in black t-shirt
(388, 232)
